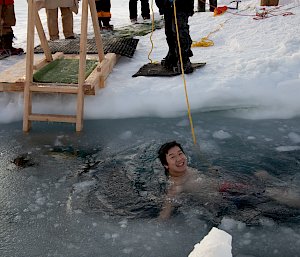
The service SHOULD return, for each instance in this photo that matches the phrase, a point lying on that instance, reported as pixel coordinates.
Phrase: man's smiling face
(177, 163)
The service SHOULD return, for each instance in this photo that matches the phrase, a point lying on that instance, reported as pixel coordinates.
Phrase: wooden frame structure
(95, 79)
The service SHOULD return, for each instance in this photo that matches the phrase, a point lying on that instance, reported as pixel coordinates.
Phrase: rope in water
(181, 65)
(183, 78)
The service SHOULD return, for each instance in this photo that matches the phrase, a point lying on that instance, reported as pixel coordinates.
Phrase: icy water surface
(98, 193)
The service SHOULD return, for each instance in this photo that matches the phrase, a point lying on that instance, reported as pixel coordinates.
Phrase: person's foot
(133, 21)
(107, 27)
(16, 51)
(146, 17)
(187, 67)
(169, 62)
(4, 53)
(54, 38)
(70, 37)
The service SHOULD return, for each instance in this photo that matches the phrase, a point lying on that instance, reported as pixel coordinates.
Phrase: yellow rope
(152, 29)
(205, 41)
(183, 77)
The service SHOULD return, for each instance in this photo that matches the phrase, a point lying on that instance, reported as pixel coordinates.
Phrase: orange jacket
(6, 1)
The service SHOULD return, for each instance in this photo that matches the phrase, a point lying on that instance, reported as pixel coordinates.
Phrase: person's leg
(105, 14)
(160, 6)
(279, 190)
(171, 58)
(289, 196)
(106, 24)
(67, 22)
(185, 41)
(1, 21)
(52, 22)
(201, 5)
(133, 9)
(212, 5)
(99, 12)
(8, 19)
(145, 9)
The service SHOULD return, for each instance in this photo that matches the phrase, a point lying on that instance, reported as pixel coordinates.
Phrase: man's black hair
(163, 151)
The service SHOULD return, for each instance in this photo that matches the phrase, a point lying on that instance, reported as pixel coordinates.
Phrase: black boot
(187, 67)
(106, 25)
(6, 43)
(170, 61)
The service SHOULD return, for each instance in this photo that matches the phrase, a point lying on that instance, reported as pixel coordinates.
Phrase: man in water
(209, 190)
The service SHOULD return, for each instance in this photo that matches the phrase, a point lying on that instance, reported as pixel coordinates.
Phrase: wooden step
(50, 88)
(52, 118)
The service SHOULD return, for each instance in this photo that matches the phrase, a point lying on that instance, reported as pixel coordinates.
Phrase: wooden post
(82, 65)
(42, 36)
(98, 37)
(29, 65)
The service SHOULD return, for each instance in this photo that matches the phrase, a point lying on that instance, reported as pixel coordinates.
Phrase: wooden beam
(106, 67)
(29, 65)
(12, 87)
(36, 87)
(82, 65)
(96, 27)
(52, 118)
(42, 36)
(54, 89)
(94, 78)
(42, 63)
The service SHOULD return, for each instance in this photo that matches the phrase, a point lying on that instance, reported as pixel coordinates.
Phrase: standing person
(184, 9)
(144, 9)
(7, 20)
(66, 9)
(212, 5)
(104, 15)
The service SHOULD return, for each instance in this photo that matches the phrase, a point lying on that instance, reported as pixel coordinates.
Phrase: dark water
(98, 193)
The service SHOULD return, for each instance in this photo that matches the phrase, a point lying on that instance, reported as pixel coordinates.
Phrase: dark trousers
(144, 9)
(103, 11)
(184, 34)
(212, 5)
(7, 19)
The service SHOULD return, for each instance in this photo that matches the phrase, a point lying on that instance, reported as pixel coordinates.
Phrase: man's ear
(166, 167)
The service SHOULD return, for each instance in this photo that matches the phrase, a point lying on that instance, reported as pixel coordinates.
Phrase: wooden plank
(42, 36)
(42, 63)
(96, 27)
(29, 65)
(12, 87)
(106, 67)
(52, 118)
(61, 88)
(54, 89)
(94, 78)
(19, 87)
(16, 72)
(82, 66)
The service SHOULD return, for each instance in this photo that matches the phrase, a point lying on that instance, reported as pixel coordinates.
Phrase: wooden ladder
(30, 87)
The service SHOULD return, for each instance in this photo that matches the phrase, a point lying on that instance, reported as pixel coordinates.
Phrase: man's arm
(168, 206)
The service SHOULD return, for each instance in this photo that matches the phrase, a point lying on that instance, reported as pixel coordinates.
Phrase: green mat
(63, 71)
